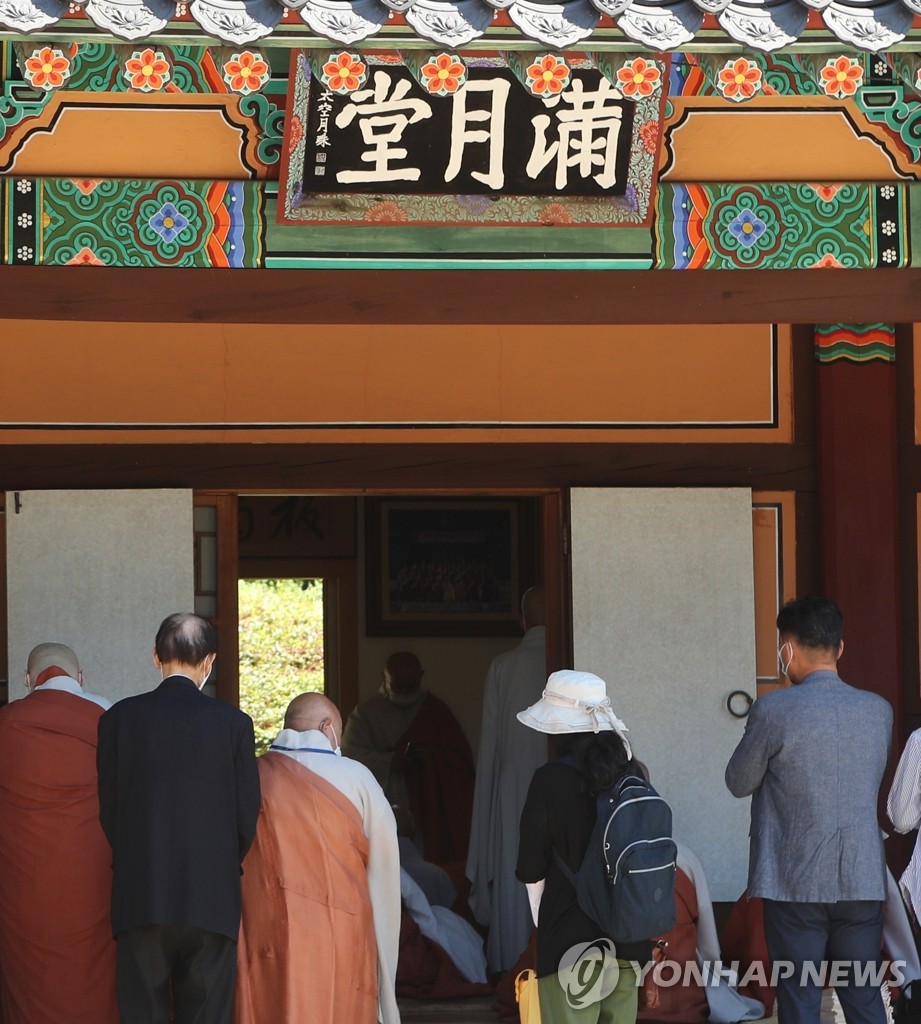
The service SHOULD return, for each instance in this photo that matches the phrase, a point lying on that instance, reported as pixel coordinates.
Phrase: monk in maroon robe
(57, 955)
(420, 756)
(681, 1004)
(742, 939)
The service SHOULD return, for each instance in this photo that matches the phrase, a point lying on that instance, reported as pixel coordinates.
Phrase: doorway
(281, 648)
(337, 538)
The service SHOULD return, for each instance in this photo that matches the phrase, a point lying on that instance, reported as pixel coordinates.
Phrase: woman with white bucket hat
(582, 977)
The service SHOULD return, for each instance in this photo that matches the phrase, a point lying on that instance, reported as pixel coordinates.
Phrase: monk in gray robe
(509, 755)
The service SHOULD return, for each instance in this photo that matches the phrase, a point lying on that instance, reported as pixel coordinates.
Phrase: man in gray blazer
(813, 758)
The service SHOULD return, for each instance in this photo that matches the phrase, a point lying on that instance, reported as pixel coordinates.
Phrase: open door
(663, 610)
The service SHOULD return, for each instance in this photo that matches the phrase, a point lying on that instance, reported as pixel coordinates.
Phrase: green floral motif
(153, 223)
(174, 248)
(89, 203)
(745, 227)
(768, 226)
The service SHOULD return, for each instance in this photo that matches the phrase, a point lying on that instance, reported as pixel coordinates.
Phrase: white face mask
(337, 750)
(784, 669)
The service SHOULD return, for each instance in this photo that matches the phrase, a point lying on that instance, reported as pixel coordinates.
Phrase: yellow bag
(526, 997)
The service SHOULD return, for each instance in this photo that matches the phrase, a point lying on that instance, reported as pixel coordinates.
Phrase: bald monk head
(315, 711)
(532, 608)
(403, 678)
(50, 660)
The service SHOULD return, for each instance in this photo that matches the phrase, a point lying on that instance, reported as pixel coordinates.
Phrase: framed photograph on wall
(447, 567)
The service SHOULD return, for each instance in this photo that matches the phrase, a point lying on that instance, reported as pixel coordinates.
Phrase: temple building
(438, 299)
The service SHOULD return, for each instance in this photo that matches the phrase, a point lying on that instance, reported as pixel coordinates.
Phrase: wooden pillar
(858, 500)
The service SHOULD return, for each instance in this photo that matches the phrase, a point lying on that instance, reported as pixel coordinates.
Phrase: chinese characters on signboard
(490, 136)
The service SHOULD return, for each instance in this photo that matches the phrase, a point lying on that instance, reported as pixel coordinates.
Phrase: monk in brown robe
(420, 756)
(681, 1004)
(57, 955)
(307, 951)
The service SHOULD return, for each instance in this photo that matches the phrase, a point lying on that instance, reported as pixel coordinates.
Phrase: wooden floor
(477, 1011)
(448, 1011)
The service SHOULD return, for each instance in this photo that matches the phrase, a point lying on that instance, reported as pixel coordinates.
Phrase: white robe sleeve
(708, 943)
(384, 884)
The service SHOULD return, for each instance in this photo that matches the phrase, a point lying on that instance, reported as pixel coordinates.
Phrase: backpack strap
(565, 868)
(601, 804)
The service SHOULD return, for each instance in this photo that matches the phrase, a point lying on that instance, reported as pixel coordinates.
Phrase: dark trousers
(801, 934)
(198, 966)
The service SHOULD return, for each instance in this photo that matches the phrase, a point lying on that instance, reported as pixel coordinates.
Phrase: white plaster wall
(99, 571)
(663, 610)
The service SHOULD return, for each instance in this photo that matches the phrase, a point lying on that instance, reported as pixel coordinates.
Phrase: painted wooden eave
(730, 26)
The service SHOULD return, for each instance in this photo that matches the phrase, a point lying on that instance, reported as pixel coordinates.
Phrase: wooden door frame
(553, 517)
(228, 640)
(340, 616)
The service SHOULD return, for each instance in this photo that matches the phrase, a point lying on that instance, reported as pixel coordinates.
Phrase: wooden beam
(460, 296)
(412, 467)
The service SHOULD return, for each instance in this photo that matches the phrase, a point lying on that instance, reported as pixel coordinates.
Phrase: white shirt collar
(65, 684)
(310, 739)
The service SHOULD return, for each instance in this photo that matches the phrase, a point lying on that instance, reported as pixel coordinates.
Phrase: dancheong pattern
(765, 226)
(93, 67)
(204, 223)
(223, 224)
(57, 221)
(856, 343)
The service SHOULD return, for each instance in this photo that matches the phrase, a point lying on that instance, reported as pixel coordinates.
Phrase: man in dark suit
(178, 801)
(813, 758)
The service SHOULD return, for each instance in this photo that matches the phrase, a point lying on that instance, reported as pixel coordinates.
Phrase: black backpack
(626, 882)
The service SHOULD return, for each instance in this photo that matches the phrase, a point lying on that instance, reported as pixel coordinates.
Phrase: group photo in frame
(447, 568)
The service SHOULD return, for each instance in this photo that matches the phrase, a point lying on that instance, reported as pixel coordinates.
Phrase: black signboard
(490, 136)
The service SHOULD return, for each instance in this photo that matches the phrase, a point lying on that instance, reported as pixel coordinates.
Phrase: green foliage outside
(281, 649)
